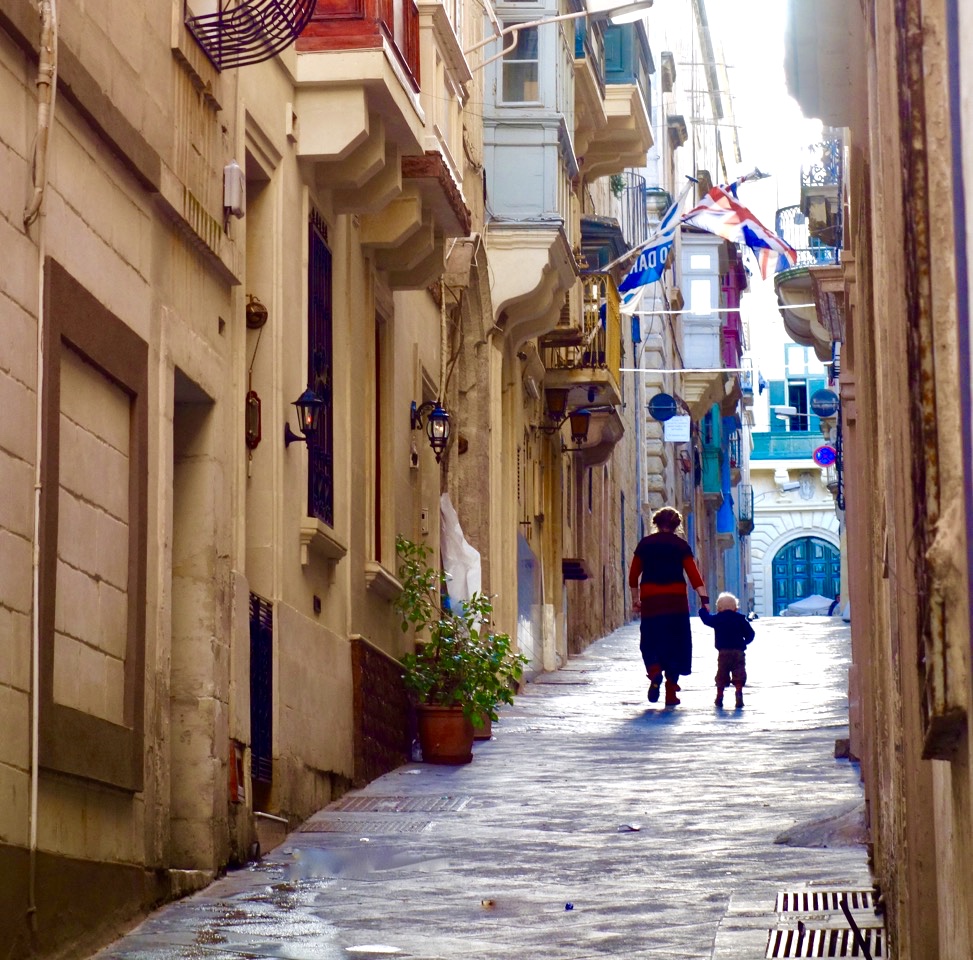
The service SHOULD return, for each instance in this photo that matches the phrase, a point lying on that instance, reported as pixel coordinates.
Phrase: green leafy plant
(616, 183)
(462, 662)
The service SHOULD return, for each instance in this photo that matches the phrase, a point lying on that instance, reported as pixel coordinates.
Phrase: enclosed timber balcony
(627, 135)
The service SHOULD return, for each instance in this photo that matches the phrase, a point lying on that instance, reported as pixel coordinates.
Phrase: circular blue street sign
(662, 407)
(825, 456)
(824, 403)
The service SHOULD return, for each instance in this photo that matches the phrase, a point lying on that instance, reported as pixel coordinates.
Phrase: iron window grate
(824, 943)
(825, 900)
(429, 803)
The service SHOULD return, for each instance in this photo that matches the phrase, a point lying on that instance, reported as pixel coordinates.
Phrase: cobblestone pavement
(593, 824)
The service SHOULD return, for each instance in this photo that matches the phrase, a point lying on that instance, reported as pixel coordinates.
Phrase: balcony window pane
(520, 69)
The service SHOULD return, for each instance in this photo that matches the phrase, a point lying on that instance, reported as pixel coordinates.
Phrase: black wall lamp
(309, 406)
(580, 419)
(556, 399)
(437, 424)
(557, 404)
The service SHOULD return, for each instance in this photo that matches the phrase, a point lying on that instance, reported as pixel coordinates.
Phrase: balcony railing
(733, 450)
(744, 509)
(633, 217)
(600, 346)
(823, 168)
(812, 251)
(783, 446)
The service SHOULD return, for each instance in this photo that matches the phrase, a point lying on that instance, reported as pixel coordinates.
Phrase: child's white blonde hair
(726, 601)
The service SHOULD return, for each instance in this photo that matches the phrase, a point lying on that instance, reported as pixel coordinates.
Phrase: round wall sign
(662, 406)
(824, 456)
(824, 403)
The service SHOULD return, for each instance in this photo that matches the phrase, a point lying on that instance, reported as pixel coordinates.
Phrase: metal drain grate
(825, 900)
(427, 803)
(824, 943)
(364, 826)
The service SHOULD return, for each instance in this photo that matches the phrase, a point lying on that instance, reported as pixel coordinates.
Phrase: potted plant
(462, 670)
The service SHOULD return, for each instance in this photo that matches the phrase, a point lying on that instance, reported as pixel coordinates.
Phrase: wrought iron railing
(744, 509)
(600, 346)
(791, 224)
(823, 168)
(733, 450)
(746, 379)
(633, 215)
(243, 32)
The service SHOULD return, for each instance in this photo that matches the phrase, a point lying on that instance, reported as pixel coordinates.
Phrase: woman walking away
(663, 560)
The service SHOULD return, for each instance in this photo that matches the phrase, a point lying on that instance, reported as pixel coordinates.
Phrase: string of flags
(719, 213)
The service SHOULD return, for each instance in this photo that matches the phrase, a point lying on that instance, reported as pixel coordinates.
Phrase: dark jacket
(733, 630)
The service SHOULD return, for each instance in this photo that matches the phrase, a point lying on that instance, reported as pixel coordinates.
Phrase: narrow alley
(594, 824)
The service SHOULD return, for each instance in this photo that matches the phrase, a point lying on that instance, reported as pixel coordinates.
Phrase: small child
(733, 633)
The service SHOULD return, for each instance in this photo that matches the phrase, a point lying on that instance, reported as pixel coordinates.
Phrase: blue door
(805, 566)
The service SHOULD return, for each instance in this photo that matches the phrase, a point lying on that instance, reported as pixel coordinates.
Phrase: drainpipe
(46, 88)
(962, 267)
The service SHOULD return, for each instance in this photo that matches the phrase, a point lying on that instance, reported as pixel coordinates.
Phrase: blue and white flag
(650, 264)
(652, 258)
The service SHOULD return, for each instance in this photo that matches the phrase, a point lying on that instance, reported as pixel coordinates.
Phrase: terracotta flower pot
(484, 731)
(445, 734)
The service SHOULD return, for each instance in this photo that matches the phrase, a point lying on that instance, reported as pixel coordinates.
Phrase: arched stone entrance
(804, 566)
(775, 529)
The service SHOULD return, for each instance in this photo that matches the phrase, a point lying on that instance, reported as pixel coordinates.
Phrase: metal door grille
(829, 942)
(261, 688)
(320, 445)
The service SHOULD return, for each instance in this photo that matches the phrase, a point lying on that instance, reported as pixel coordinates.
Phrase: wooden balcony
(366, 25)
(588, 362)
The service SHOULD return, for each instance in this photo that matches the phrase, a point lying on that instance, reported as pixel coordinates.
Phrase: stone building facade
(891, 76)
(207, 589)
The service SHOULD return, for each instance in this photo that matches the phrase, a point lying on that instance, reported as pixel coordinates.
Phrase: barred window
(319, 357)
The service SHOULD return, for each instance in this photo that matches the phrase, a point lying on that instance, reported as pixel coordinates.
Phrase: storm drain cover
(424, 803)
(823, 900)
(365, 826)
(828, 942)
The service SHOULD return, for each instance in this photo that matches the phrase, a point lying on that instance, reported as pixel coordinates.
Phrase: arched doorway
(802, 567)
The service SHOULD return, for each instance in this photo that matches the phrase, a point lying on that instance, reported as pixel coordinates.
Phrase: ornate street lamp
(309, 406)
(437, 424)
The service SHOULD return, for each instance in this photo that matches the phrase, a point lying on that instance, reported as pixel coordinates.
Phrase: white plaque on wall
(677, 429)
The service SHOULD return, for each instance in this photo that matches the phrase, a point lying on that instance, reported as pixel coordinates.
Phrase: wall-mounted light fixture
(437, 424)
(579, 425)
(309, 406)
(557, 404)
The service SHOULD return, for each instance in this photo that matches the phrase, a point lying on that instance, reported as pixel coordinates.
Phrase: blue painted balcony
(784, 446)
(613, 127)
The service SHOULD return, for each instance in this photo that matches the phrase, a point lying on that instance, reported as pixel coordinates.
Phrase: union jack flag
(721, 213)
